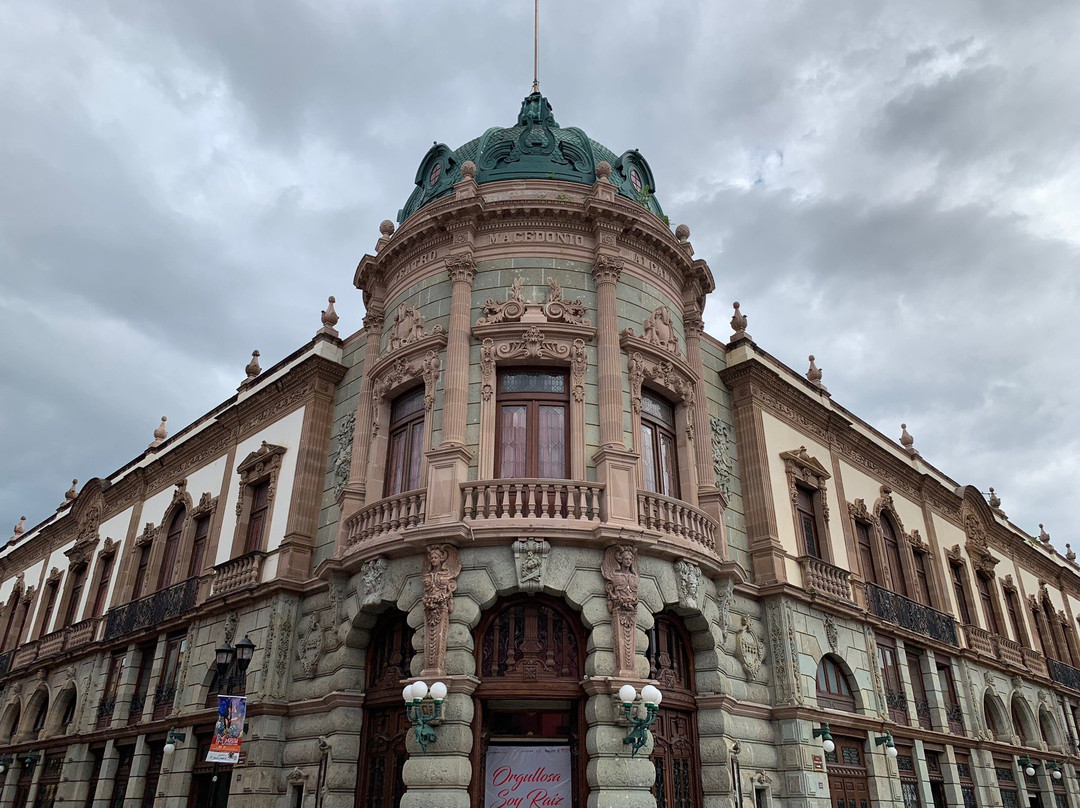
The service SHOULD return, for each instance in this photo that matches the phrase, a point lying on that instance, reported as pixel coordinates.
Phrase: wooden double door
(848, 786)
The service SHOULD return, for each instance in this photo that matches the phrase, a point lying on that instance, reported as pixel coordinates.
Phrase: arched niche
(1024, 721)
(1051, 731)
(996, 718)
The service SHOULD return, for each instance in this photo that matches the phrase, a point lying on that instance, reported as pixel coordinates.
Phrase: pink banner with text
(527, 777)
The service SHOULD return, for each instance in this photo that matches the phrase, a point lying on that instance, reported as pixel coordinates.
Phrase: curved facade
(533, 477)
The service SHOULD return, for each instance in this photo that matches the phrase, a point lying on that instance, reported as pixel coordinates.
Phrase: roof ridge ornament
(536, 46)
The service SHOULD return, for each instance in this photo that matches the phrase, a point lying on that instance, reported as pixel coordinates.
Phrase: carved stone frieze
(309, 647)
(723, 462)
(442, 565)
(659, 331)
(408, 327)
(620, 572)
(373, 576)
(831, 634)
(725, 599)
(530, 561)
(687, 581)
(802, 468)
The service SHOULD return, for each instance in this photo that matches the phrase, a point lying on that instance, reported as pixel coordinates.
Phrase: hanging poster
(232, 714)
(527, 777)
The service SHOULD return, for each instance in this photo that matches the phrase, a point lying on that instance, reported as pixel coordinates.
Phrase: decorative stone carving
(785, 655)
(907, 441)
(723, 462)
(813, 375)
(659, 331)
(831, 634)
(343, 457)
(687, 581)
(725, 600)
(1069, 554)
(461, 268)
(530, 561)
(916, 540)
(263, 462)
(373, 576)
(802, 468)
(558, 310)
(533, 344)
(232, 620)
(408, 327)
(858, 510)
(206, 506)
(620, 572)
(329, 318)
(309, 647)
(995, 502)
(579, 361)
(748, 650)
(1044, 537)
(18, 530)
(427, 367)
(71, 493)
(515, 308)
(442, 565)
(664, 373)
(607, 269)
(251, 369)
(511, 309)
(875, 668)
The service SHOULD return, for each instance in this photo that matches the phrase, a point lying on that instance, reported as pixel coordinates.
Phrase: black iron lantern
(245, 649)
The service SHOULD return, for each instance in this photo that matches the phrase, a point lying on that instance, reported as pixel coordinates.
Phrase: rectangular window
(50, 604)
(956, 569)
(948, 691)
(198, 546)
(987, 600)
(78, 581)
(866, 553)
(922, 579)
(532, 424)
(165, 694)
(918, 687)
(804, 508)
(108, 696)
(123, 774)
(1012, 605)
(142, 684)
(141, 571)
(260, 512)
(892, 551)
(406, 450)
(97, 756)
(101, 590)
(894, 689)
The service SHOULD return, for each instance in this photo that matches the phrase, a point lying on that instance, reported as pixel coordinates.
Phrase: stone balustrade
(394, 513)
(56, 642)
(238, 573)
(1035, 662)
(980, 641)
(531, 498)
(822, 577)
(676, 518)
(1010, 652)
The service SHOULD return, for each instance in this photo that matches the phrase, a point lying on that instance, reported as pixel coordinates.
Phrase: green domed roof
(536, 147)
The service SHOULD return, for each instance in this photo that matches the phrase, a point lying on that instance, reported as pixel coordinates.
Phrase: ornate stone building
(533, 477)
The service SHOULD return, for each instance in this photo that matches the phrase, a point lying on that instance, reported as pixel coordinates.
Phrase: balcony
(238, 573)
(1035, 662)
(955, 716)
(56, 642)
(388, 515)
(1064, 674)
(676, 518)
(5, 662)
(994, 646)
(820, 577)
(906, 613)
(164, 696)
(145, 612)
(531, 498)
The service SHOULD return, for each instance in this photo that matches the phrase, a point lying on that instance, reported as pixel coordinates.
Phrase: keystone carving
(530, 560)
(687, 581)
(408, 327)
(373, 575)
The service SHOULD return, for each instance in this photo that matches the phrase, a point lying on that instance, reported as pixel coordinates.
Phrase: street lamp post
(224, 656)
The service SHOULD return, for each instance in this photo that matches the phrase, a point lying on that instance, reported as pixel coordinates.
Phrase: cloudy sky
(893, 187)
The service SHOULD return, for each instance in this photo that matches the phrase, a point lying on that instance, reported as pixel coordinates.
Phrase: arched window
(659, 453)
(382, 748)
(172, 548)
(675, 756)
(1021, 719)
(991, 718)
(833, 688)
(1049, 729)
(986, 598)
(405, 453)
(866, 553)
(893, 551)
(11, 722)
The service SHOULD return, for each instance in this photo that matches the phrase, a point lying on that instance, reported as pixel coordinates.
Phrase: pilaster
(354, 494)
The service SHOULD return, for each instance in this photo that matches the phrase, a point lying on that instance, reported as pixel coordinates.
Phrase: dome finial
(536, 46)
(159, 434)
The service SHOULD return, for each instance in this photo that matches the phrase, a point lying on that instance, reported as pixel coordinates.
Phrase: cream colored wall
(284, 432)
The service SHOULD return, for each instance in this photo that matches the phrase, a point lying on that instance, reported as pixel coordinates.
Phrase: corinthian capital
(373, 322)
(607, 269)
(461, 268)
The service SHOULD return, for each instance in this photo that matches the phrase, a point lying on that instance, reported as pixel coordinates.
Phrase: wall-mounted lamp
(1054, 769)
(890, 747)
(5, 764)
(1028, 765)
(414, 696)
(651, 698)
(174, 736)
(826, 737)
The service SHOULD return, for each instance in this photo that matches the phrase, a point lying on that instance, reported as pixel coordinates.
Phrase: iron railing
(164, 695)
(152, 610)
(906, 613)
(955, 716)
(104, 712)
(5, 662)
(922, 711)
(1063, 674)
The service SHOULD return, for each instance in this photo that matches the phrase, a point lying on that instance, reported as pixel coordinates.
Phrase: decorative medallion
(687, 581)
(530, 559)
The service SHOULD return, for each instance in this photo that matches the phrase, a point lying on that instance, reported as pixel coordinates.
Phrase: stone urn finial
(738, 324)
(71, 492)
(682, 233)
(603, 170)
(159, 434)
(814, 373)
(1069, 554)
(1044, 537)
(468, 169)
(907, 441)
(19, 529)
(252, 368)
(386, 228)
(329, 318)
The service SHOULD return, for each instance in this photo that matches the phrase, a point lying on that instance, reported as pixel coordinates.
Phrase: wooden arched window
(833, 688)
(382, 747)
(675, 756)
(172, 548)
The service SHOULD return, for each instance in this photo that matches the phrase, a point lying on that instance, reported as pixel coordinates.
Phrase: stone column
(7, 790)
(615, 466)
(934, 695)
(615, 777)
(354, 495)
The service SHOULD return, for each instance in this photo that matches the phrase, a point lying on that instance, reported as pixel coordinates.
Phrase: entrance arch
(530, 661)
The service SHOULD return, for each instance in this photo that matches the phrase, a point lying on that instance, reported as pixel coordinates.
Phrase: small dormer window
(635, 179)
(436, 172)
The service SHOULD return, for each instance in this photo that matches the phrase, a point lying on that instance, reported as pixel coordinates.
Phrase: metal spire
(536, 46)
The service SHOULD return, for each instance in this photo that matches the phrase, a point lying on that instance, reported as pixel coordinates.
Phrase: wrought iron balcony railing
(164, 696)
(163, 605)
(1064, 674)
(906, 613)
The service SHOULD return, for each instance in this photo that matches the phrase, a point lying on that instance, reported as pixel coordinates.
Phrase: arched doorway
(675, 745)
(382, 748)
(530, 704)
